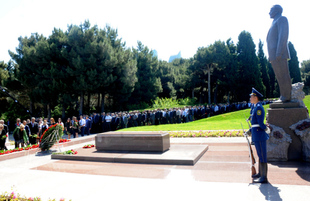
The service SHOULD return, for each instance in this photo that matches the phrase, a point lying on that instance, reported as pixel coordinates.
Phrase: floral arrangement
(16, 197)
(303, 126)
(3, 137)
(277, 135)
(222, 133)
(69, 152)
(88, 146)
(50, 136)
(64, 140)
(33, 136)
(2, 152)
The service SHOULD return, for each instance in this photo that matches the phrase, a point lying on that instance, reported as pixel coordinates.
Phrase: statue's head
(275, 10)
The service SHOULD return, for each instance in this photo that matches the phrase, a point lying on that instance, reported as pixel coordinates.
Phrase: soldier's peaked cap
(256, 93)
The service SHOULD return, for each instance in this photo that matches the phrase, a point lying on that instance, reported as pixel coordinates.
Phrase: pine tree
(305, 72)
(248, 73)
(148, 85)
(209, 60)
(231, 72)
(263, 69)
(293, 64)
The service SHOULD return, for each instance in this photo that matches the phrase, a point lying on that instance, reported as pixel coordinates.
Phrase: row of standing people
(118, 120)
(27, 131)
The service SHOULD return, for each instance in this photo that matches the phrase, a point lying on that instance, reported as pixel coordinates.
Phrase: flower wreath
(51, 136)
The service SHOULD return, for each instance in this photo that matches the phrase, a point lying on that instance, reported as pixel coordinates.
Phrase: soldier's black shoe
(259, 171)
(263, 177)
(252, 143)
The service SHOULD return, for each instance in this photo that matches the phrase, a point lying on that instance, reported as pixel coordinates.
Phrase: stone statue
(278, 51)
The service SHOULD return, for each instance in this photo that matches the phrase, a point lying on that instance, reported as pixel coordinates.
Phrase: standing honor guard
(259, 136)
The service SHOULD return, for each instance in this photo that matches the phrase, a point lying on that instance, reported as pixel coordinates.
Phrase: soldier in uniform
(259, 135)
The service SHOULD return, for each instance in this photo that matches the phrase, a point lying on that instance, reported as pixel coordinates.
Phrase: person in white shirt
(108, 120)
(82, 124)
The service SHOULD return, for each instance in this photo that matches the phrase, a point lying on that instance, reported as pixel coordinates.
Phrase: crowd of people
(28, 131)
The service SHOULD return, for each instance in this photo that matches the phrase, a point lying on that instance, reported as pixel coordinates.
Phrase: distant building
(173, 57)
(155, 54)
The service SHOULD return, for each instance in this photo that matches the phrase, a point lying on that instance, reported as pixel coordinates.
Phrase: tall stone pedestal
(285, 115)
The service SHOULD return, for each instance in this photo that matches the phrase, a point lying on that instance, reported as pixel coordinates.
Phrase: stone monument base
(133, 141)
(284, 105)
(284, 117)
(176, 155)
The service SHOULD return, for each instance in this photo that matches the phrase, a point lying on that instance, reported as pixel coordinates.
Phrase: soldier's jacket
(258, 126)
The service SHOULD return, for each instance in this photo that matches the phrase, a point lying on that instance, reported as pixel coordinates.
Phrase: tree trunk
(193, 93)
(98, 105)
(88, 101)
(63, 115)
(228, 98)
(48, 111)
(209, 83)
(31, 107)
(45, 111)
(102, 103)
(215, 94)
(81, 103)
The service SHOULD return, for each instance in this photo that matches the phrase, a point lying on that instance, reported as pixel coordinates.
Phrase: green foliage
(263, 69)
(164, 103)
(139, 106)
(293, 64)
(54, 74)
(187, 101)
(172, 103)
(248, 73)
(305, 73)
(57, 111)
(3, 72)
(148, 84)
(211, 61)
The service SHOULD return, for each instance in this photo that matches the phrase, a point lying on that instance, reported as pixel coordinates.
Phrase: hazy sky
(168, 26)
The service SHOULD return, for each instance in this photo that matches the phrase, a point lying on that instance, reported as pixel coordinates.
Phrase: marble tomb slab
(133, 141)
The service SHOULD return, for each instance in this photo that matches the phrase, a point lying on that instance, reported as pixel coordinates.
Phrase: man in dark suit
(139, 120)
(143, 118)
(34, 131)
(148, 117)
(102, 122)
(152, 117)
(88, 125)
(157, 117)
(124, 120)
(96, 123)
(174, 115)
(113, 127)
(116, 122)
(278, 51)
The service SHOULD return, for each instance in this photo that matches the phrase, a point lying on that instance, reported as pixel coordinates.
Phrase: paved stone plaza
(222, 173)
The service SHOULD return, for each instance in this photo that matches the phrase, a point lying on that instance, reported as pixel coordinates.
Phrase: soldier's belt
(255, 125)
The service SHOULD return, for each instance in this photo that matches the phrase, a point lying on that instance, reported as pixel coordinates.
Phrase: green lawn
(228, 121)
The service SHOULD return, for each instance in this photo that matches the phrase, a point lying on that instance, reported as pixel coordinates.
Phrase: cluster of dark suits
(114, 121)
